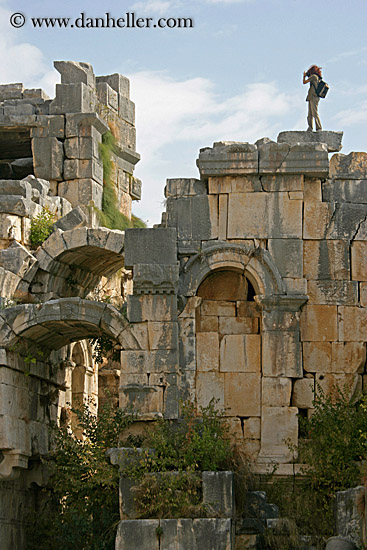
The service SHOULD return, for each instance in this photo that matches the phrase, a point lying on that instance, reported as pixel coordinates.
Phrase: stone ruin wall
(251, 290)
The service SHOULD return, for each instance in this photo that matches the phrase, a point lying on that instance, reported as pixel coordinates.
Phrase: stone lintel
(333, 140)
(75, 120)
(281, 302)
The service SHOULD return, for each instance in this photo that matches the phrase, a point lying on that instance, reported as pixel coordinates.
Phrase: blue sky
(237, 75)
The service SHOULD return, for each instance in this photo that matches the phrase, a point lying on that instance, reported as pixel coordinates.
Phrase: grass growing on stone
(110, 215)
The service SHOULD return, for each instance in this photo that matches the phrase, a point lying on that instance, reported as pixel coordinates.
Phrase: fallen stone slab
(333, 140)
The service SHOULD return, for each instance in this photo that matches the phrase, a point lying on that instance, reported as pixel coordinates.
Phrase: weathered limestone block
(194, 217)
(207, 351)
(177, 534)
(126, 109)
(155, 246)
(10, 227)
(283, 182)
(352, 324)
(80, 192)
(319, 323)
(163, 335)
(303, 393)
(11, 91)
(144, 400)
(135, 189)
(326, 260)
(15, 187)
(333, 140)
(213, 533)
(251, 428)
(317, 356)
(48, 157)
(287, 254)
(218, 493)
(281, 354)
(247, 309)
(359, 260)
(345, 190)
(209, 385)
(208, 323)
(348, 357)
(83, 148)
(218, 307)
(149, 361)
(16, 259)
(273, 446)
(233, 184)
(73, 72)
(228, 158)
(316, 219)
(347, 220)
(280, 320)
(348, 519)
(352, 166)
(107, 96)
(312, 189)
(75, 218)
(263, 215)
(83, 169)
(310, 159)
(238, 325)
(184, 187)
(363, 294)
(85, 125)
(155, 279)
(242, 393)
(118, 82)
(49, 126)
(276, 392)
(151, 307)
(330, 383)
(295, 286)
(140, 534)
(332, 292)
(73, 98)
(240, 353)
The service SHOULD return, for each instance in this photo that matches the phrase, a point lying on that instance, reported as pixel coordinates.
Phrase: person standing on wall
(313, 76)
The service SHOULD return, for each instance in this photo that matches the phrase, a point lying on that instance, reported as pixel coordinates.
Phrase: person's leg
(314, 105)
(309, 117)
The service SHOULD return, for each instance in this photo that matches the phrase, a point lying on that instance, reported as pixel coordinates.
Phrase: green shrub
(41, 227)
(82, 510)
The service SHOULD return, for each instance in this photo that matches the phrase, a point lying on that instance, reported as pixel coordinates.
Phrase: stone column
(281, 362)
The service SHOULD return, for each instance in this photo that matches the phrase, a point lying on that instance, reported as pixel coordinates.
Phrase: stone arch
(257, 263)
(57, 323)
(71, 263)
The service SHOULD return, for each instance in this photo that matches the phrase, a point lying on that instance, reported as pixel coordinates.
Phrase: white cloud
(352, 117)
(21, 61)
(154, 6)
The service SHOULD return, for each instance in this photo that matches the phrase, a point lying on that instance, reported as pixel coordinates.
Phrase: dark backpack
(322, 88)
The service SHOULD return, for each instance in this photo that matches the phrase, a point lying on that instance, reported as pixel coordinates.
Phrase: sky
(236, 75)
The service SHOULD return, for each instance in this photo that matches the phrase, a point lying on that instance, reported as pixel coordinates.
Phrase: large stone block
(333, 140)
(317, 356)
(348, 222)
(73, 98)
(303, 393)
(218, 493)
(326, 260)
(276, 392)
(155, 279)
(48, 157)
(153, 245)
(345, 190)
(126, 110)
(273, 441)
(80, 192)
(319, 323)
(11, 91)
(282, 182)
(316, 219)
(332, 292)
(84, 148)
(144, 400)
(352, 166)
(177, 534)
(107, 96)
(149, 361)
(228, 158)
(264, 215)
(184, 187)
(238, 325)
(348, 518)
(276, 319)
(118, 82)
(288, 256)
(242, 393)
(213, 533)
(218, 308)
(352, 324)
(234, 184)
(207, 351)
(73, 72)
(140, 534)
(349, 384)
(151, 307)
(240, 353)
(348, 357)
(196, 217)
(310, 159)
(210, 385)
(252, 428)
(359, 260)
(281, 354)
(163, 335)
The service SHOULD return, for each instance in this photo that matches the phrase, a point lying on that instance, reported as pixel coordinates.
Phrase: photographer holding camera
(313, 76)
